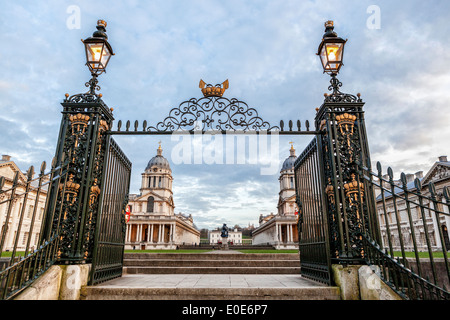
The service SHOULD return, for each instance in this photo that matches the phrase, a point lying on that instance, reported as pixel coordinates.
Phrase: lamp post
(98, 52)
(331, 53)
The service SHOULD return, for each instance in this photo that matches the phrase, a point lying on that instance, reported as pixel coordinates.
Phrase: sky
(396, 57)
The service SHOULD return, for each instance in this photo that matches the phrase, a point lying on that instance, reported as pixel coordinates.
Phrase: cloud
(267, 52)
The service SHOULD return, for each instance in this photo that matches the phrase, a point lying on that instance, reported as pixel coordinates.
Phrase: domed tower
(157, 185)
(286, 202)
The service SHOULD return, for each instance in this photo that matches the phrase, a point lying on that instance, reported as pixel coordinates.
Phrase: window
(150, 204)
(30, 211)
(154, 182)
(292, 182)
(159, 182)
(25, 237)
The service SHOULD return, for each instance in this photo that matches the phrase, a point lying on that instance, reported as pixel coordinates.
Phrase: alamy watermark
(73, 21)
(373, 22)
(231, 148)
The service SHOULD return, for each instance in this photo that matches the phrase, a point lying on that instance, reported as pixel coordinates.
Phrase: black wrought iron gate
(107, 263)
(312, 225)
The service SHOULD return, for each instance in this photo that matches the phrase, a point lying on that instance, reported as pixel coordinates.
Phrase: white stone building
(8, 168)
(280, 230)
(153, 223)
(439, 174)
(234, 237)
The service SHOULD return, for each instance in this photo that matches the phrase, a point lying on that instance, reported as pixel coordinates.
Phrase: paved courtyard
(210, 281)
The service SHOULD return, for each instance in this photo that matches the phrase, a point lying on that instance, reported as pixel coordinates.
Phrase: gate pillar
(82, 143)
(344, 144)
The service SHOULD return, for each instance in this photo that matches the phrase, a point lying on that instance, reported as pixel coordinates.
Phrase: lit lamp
(98, 53)
(331, 50)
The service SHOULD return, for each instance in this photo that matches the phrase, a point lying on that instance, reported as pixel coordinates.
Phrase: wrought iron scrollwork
(337, 96)
(212, 113)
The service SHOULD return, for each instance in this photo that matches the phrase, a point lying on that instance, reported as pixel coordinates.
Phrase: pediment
(144, 197)
(438, 172)
(9, 169)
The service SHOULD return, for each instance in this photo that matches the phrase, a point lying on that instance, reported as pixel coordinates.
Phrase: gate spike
(30, 173)
(43, 166)
(299, 126)
(144, 125)
(290, 125)
(379, 168)
(53, 162)
(403, 179)
(432, 189)
(119, 124)
(127, 126)
(391, 174)
(447, 194)
(136, 124)
(282, 125)
(418, 185)
(307, 125)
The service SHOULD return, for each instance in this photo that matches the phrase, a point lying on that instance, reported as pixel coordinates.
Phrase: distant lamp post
(98, 53)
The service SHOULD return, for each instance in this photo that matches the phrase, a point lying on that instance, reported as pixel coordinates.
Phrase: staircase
(211, 263)
(211, 276)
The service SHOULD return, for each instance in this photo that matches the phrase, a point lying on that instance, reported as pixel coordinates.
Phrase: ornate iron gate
(312, 223)
(107, 262)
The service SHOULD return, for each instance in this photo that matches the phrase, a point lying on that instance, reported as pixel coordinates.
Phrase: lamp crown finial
(101, 23)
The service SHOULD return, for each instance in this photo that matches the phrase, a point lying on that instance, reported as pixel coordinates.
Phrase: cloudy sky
(396, 56)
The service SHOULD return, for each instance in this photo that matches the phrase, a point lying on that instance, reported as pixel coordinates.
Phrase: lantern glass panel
(331, 56)
(97, 55)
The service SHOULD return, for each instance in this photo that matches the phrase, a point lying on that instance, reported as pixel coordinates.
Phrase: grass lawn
(424, 254)
(267, 251)
(169, 251)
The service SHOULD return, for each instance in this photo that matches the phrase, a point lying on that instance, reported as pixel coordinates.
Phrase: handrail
(17, 277)
(403, 280)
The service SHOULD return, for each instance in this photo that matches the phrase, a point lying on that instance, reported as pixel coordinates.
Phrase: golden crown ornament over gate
(208, 90)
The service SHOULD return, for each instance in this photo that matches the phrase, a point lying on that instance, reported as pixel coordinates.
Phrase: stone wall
(361, 283)
(58, 283)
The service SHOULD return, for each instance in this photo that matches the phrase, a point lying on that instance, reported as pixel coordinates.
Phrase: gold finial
(292, 151)
(329, 23)
(159, 150)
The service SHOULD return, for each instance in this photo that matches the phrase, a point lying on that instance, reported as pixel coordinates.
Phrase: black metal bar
(213, 132)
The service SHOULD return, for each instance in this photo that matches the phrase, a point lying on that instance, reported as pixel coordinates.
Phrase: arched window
(150, 203)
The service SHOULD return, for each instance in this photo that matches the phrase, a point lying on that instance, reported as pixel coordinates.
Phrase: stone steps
(211, 263)
(210, 276)
(225, 294)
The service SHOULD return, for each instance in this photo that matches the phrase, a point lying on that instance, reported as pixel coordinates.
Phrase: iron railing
(413, 256)
(19, 271)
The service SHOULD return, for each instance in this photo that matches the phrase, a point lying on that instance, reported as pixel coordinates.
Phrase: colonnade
(146, 233)
(289, 236)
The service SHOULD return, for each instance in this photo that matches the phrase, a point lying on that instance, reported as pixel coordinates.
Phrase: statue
(224, 233)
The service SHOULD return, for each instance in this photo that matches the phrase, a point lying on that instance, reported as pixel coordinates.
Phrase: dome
(288, 164)
(158, 161)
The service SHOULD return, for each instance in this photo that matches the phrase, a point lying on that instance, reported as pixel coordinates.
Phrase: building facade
(8, 168)
(439, 174)
(280, 230)
(153, 223)
(234, 237)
